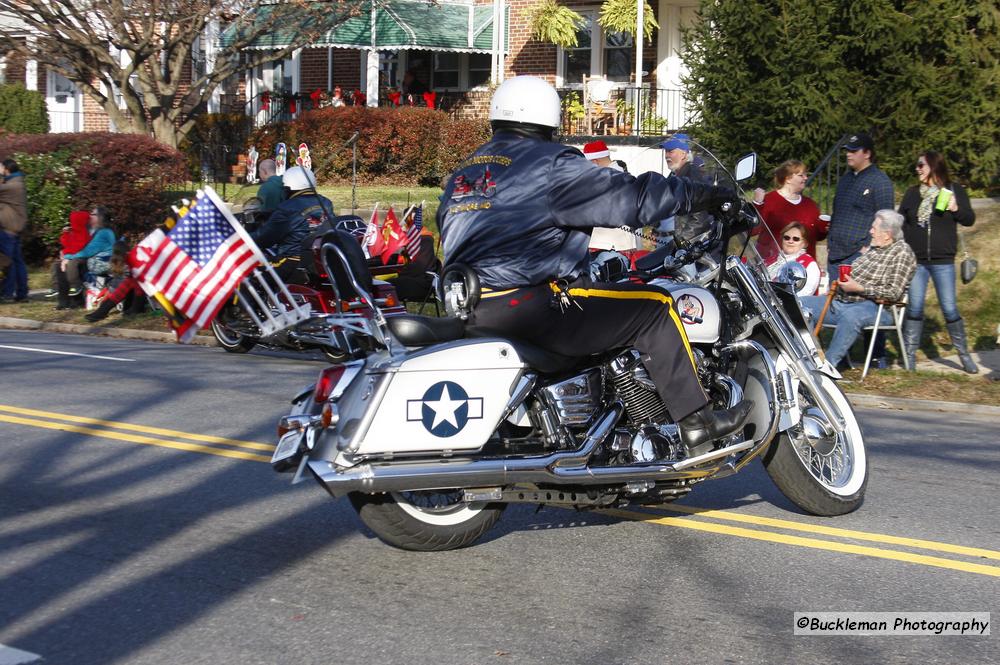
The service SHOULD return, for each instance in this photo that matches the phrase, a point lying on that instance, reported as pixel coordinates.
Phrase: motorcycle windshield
(703, 165)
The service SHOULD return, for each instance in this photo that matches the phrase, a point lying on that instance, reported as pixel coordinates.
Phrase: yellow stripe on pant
(658, 296)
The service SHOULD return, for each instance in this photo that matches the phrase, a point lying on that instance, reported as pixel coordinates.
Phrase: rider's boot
(704, 427)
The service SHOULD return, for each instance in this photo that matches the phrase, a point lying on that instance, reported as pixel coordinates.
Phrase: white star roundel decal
(445, 409)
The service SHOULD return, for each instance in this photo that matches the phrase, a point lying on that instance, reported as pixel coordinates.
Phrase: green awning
(399, 25)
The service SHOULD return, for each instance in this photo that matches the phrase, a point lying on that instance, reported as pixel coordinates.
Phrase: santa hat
(596, 150)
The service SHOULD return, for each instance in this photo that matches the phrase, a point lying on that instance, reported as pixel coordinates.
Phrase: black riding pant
(604, 316)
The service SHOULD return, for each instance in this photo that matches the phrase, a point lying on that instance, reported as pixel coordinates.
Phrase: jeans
(16, 284)
(849, 317)
(944, 285)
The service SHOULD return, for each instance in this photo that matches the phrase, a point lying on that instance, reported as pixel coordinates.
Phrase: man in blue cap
(677, 150)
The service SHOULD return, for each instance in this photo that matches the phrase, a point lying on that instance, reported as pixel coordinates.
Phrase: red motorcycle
(236, 331)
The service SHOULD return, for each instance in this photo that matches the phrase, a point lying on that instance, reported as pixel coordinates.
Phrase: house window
(446, 70)
(576, 61)
(617, 56)
(480, 68)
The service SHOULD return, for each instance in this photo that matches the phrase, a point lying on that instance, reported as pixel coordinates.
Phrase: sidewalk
(988, 361)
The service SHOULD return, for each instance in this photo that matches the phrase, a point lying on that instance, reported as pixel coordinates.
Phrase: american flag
(413, 232)
(197, 265)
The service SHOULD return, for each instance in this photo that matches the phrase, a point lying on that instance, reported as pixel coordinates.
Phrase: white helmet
(526, 99)
(298, 177)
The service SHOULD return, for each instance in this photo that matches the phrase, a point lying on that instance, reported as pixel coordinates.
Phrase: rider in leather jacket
(281, 236)
(520, 212)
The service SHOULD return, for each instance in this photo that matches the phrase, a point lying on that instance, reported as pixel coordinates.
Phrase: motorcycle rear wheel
(431, 521)
(230, 340)
(829, 478)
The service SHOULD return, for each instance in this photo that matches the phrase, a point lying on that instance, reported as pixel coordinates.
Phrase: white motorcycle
(433, 427)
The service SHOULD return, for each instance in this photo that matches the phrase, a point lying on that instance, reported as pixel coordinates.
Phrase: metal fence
(627, 112)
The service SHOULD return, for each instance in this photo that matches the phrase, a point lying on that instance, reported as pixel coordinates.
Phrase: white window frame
(462, 84)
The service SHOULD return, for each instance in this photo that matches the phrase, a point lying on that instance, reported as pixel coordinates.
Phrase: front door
(63, 101)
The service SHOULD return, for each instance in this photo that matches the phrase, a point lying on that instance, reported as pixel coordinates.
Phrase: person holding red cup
(882, 272)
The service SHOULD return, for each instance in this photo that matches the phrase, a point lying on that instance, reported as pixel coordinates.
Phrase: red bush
(410, 145)
(127, 173)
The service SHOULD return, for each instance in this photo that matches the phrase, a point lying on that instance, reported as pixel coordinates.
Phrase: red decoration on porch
(316, 95)
(430, 98)
(394, 98)
(265, 100)
(360, 98)
(291, 100)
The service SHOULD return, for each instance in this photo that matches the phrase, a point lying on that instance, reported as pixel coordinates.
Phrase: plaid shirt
(885, 272)
(859, 196)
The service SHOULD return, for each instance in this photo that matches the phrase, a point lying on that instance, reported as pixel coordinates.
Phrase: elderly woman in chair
(880, 274)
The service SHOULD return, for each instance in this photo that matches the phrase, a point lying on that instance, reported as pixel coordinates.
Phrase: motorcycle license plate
(288, 445)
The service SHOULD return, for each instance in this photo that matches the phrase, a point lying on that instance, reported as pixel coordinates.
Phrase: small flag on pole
(392, 236)
(195, 267)
(413, 231)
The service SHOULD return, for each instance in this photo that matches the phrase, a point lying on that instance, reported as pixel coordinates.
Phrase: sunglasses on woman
(921, 165)
(791, 238)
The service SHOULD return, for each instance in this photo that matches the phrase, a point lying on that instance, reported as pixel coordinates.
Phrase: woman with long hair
(931, 230)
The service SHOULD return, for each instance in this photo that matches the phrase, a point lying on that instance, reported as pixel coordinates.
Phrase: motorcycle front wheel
(426, 521)
(820, 470)
(230, 340)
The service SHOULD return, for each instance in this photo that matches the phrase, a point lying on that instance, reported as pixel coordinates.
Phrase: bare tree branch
(138, 54)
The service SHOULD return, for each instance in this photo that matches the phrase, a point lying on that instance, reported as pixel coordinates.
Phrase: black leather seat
(413, 330)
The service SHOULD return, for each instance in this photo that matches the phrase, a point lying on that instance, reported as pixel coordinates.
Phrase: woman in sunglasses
(931, 215)
(786, 204)
(794, 241)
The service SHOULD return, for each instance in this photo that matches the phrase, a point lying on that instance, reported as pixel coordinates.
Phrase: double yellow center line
(753, 527)
(110, 429)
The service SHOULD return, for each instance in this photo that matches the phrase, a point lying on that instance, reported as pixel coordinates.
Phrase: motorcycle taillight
(386, 293)
(326, 382)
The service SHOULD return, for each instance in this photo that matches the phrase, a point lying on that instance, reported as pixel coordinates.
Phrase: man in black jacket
(520, 212)
(281, 236)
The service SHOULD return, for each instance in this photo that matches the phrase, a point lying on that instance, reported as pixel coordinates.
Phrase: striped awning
(390, 25)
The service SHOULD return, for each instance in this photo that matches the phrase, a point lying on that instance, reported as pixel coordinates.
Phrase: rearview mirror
(746, 167)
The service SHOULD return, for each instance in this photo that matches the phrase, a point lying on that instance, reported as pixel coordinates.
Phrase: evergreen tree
(789, 77)
(23, 111)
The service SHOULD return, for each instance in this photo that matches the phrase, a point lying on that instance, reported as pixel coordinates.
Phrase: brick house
(450, 48)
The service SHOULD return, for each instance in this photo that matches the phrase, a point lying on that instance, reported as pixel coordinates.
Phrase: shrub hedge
(407, 145)
(127, 173)
(23, 111)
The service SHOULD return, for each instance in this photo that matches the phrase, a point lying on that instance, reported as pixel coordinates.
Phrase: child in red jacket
(73, 239)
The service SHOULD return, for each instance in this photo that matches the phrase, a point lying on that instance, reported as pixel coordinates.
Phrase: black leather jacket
(282, 234)
(520, 210)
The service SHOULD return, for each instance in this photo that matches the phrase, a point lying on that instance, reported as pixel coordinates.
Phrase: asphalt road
(140, 523)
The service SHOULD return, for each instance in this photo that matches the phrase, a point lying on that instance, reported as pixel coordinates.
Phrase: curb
(11, 323)
(905, 404)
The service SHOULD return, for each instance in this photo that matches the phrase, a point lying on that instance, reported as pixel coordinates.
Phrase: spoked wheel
(426, 520)
(230, 340)
(819, 470)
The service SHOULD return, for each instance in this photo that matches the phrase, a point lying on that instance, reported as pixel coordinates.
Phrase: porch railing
(661, 111)
(822, 183)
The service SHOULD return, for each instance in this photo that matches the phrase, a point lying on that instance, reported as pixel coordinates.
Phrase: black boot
(101, 312)
(957, 331)
(704, 427)
(912, 329)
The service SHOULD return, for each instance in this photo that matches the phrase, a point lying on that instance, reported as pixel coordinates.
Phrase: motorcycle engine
(631, 382)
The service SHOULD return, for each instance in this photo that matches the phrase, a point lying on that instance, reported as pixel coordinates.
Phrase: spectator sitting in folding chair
(881, 273)
(97, 252)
